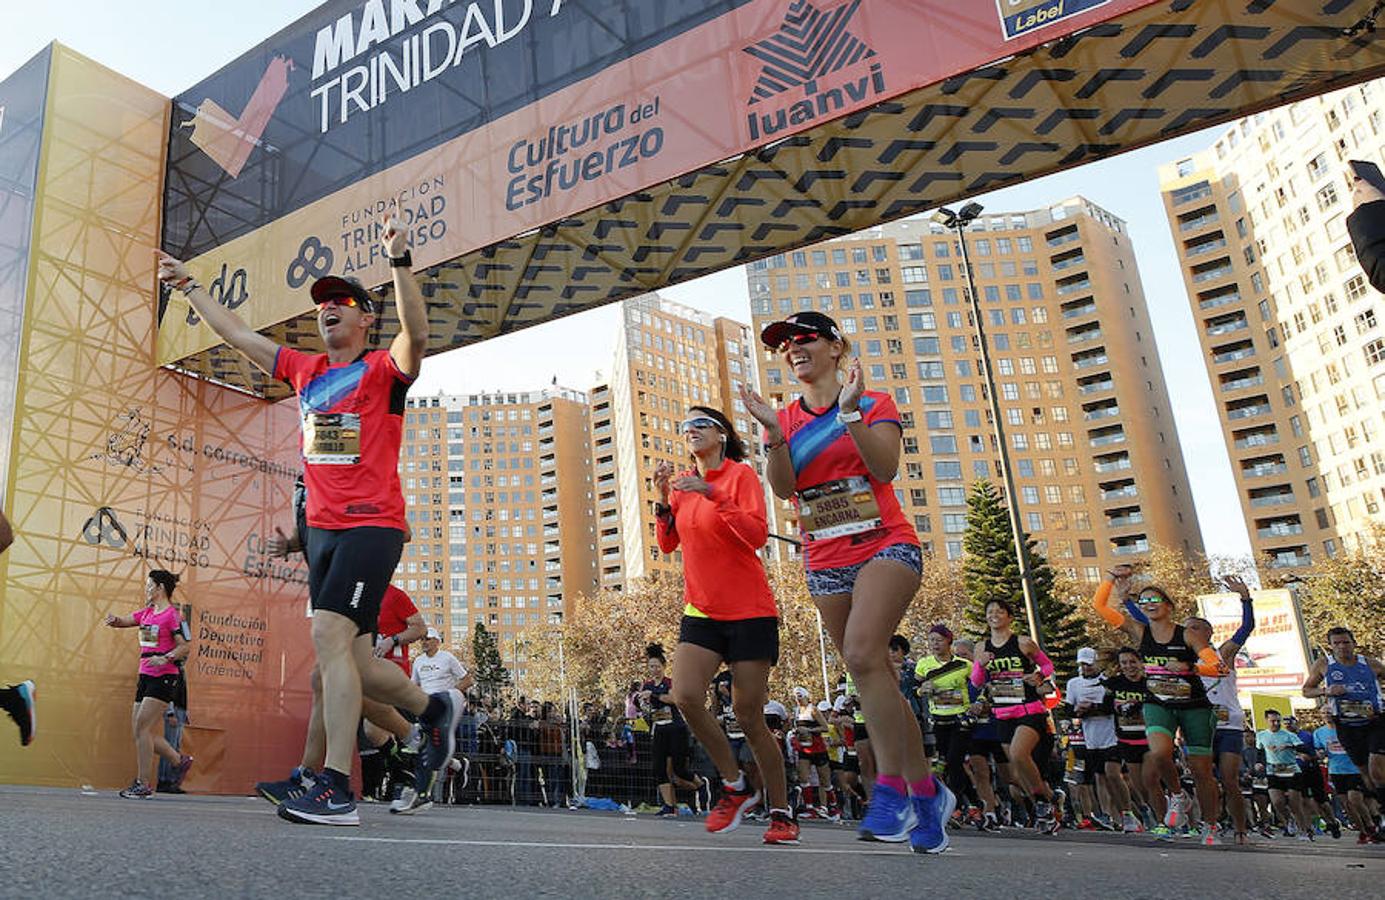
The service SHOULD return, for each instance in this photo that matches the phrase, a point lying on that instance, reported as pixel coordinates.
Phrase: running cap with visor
(1087, 655)
(433, 635)
(808, 322)
(335, 286)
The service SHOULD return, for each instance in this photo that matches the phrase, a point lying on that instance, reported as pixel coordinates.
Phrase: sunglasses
(1149, 600)
(340, 301)
(799, 340)
(699, 422)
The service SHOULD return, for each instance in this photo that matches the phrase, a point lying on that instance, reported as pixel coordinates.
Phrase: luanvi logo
(808, 45)
(229, 139)
(104, 528)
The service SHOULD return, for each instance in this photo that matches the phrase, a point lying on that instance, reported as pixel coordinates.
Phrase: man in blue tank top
(1350, 683)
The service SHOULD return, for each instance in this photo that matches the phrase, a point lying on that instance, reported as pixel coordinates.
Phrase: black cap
(336, 286)
(808, 322)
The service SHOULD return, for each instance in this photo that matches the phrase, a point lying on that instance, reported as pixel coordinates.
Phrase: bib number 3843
(332, 439)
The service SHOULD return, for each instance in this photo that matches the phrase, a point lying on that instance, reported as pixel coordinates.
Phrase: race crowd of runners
(974, 732)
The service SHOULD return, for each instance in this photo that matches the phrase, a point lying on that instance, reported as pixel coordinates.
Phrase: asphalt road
(63, 843)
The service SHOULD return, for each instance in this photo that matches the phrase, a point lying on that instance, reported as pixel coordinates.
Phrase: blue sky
(170, 46)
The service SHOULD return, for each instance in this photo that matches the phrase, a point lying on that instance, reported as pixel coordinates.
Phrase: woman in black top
(668, 733)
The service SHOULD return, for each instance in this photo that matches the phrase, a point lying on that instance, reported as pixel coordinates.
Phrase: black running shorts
(161, 687)
(1360, 741)
(348, 571)
(1341, 784)
(736, 640)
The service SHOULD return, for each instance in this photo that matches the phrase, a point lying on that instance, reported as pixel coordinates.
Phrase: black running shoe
(299, 782)
(439, 740)
(323, 805)
(19, 703)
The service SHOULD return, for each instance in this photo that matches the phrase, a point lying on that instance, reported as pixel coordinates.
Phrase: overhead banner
(1273, 658)
(475, 122)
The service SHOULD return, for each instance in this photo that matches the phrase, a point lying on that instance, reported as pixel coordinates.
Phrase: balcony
(1249, 408)
(1290, 559)
(1113, 462)
(551, 567)
(550, 531)
(1261, 466)
(1288, 526)
(1135, 518)
(1233, 352)
(1067, 236)
(1204, 247)
(1240, 380)
(1090, 358)
(1273, 496)
(1081, 335)
(1073, 261)
(1109, 410)
(1078, 309)
(1120, 490)
(1105, 437)
(610, 554)
(1127, 548)
(1097, 385)
(548, 481)
(1200, 219)
(1224, 298)
(1259, 437)
(545, 431)
(1073, 286)
(1213, 271)
(1187, 195)
(1226, 324)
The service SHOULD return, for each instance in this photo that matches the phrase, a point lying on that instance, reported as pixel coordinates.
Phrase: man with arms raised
(351, 403)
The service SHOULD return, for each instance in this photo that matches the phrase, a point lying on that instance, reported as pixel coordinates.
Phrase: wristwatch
(846, 418)
(402, 262)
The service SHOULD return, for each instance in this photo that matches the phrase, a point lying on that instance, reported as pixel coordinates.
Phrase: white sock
(738, 784)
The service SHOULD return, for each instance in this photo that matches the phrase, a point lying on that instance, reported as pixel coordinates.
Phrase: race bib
(1355, 709)
(949, 698)
(663, 715)
(1168, 687)
(332, 439)
(149, 637)
(837, 508)
(1223, 715)
(1007, 691)
(1284, 770)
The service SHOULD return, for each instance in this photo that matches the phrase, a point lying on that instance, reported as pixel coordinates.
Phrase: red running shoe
(782, 829)
(726, 815)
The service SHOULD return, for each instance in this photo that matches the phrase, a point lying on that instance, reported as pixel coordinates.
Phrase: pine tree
(990, 571)
(491, 674)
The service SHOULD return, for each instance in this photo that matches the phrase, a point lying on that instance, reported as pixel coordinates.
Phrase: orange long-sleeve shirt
(721, 535)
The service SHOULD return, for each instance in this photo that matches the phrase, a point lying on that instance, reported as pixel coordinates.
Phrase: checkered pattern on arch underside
(1162, 71)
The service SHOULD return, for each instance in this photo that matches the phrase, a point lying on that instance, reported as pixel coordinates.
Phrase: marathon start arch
(547, 156)
(554, 155)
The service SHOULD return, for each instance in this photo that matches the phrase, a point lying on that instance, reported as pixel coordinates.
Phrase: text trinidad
(412, 43)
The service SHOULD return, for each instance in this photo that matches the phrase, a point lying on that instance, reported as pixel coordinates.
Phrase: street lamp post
(958, 221)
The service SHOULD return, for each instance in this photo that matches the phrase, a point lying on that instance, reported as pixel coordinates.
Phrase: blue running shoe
(323, 805)
(439, 740)
(930, 834)
(299, 782)
(889, 817)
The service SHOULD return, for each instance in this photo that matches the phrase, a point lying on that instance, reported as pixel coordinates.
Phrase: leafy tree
(1348, 590)
(489, 670)
(991, 571)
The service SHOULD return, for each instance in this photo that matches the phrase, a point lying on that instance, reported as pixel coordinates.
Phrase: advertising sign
(1273, 659)
(475, 122)
(1020, 17)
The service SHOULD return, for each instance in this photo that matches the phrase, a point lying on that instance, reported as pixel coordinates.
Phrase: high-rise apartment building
(1288, 323)
(1095, 452)
(499, 494)
(667, 357)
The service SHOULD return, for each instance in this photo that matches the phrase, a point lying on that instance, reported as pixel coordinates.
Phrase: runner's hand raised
(662, 473)
(171, 271)
(849, 399)
(763, 413)
(393, 240)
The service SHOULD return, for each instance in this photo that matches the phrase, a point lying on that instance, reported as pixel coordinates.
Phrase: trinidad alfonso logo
(810, 47)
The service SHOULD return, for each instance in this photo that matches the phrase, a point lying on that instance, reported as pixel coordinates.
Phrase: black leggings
(670, 743)
(953, 741)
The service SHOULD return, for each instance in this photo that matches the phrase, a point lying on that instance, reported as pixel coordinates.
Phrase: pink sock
(925, 788)
(893, 781)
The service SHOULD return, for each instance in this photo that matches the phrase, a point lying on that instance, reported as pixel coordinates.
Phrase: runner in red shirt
(716, 513)
(351, 400)
(835, 451)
